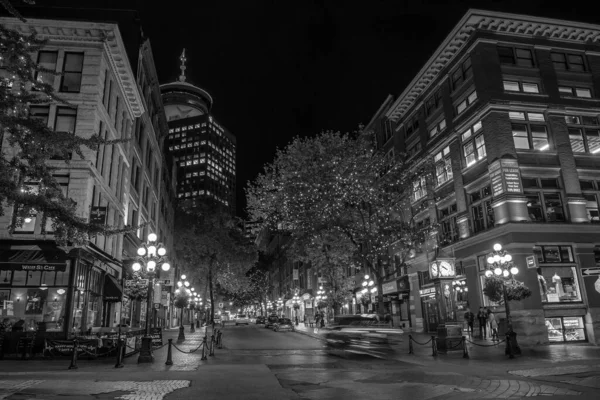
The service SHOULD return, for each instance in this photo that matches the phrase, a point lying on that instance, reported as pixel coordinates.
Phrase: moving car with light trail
(283, 324)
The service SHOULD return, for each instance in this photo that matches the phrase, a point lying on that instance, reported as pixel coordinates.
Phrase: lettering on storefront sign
(164, 282)
(496, 178)
(427, 291)
(38, 267)
(156, 335)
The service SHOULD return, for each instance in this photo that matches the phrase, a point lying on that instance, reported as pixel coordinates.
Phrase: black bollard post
(410, 345)
(203, 349)
(212, 345)
(465, 350)
(509, 347)
(74, 357)
(220, 340)
(169, 354)
(192, 328)
(119, 363)
(434, 347)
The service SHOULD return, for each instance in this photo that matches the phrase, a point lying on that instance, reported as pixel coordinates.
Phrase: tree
(515, 290)
(339, 183)
(212, 247)
(35, 152)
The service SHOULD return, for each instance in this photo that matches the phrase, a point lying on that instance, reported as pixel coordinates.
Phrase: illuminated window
(473, 144)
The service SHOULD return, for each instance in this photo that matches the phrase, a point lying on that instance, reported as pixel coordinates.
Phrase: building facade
(61, 292)
(508, 108)
(203, 150)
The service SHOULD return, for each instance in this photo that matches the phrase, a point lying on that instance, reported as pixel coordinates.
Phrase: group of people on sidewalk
(486, 318)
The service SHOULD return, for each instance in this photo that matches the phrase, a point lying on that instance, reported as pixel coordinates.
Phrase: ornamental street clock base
(449, 332)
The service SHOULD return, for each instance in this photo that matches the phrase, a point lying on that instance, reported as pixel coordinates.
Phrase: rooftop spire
(182, 66)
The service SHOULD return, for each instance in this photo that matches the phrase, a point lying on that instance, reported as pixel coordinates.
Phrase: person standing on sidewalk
(493, 325)
(482, 319)
(469, 319)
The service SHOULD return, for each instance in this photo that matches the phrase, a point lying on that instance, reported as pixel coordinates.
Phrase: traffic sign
(531, 262)
(165, 282)
(591, 271)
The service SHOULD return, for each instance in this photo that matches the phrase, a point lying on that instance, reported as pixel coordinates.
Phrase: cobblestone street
(256, 363)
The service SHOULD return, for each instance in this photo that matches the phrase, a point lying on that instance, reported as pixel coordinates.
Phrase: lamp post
(321, 296)
(182, 290)
(296, 301)
(150, 255)
(500, 264)
(368, 286)
(280, 306)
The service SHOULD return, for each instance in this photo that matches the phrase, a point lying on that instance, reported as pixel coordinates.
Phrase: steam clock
(443, 271)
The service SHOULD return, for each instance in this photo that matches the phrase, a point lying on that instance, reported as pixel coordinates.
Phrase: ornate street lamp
(150, 255)
(500, 264)
(182, 290)
(280, 306)
(368, 287)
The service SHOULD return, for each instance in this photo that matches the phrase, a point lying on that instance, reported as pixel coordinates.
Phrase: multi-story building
(508, 108)
(202, 149)
(72, 290)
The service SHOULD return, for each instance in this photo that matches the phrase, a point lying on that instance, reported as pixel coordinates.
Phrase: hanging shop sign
(98, 215)
(389, 287)
(505, 177)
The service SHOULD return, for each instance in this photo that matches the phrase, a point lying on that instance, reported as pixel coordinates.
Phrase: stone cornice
(502, 23)
(103, 34)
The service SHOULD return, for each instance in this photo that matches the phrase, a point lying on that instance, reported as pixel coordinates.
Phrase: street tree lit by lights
(337, 183)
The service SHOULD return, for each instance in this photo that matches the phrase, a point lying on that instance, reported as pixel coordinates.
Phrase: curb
(312, 335)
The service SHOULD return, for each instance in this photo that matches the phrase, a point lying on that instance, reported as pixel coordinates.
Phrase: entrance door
(431, 315)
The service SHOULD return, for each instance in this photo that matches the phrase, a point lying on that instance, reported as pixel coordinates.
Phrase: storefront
(430, 309)
(396, 300)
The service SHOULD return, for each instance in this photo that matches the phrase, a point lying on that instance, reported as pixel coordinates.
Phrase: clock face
(446, 269)
(435, 272)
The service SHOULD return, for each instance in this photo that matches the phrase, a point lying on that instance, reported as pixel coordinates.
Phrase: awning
(113, 292)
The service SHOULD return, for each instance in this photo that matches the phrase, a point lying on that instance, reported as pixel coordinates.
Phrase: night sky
(281, 68)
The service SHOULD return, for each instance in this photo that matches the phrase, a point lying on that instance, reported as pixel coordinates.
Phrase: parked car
(271, 321)
(260, 320)
(362, 334)
(242, 319)
(283, 324)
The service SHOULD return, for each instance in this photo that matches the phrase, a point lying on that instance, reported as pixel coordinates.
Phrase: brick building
(508, 107)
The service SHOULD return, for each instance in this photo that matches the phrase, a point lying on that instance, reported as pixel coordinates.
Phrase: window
(573, 91)
(433, 103)
(40, 113)
(557, 283)
(565, 329)
(65, 119)
(473, 144)
(591, 194)
(437, 128)
(523, 87)
(387, 129)
(462, 73)
(544, 204)
(584, 133)
(449, 229)
(412, 125)
(64, 186)
(419, 188)
(443, 166)
(482, 213)
(529, 134)
(470, 99)
(72, 68)
(413, 150)
(47, 61)
(516, 56)
(568, 62)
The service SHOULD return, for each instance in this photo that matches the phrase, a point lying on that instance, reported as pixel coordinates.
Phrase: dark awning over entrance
(113, 291)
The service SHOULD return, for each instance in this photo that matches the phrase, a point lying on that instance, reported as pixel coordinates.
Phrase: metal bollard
(169, 353)
(192, 329)
(119, 363)
(212, 345)
(203, 349)
(509, 347)
(410, 345)
(74, 357)
(465, 350)
(220, 340)
(434, 347)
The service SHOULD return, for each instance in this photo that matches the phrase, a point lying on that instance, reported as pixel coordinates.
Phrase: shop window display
(558, 284)
(565, 329)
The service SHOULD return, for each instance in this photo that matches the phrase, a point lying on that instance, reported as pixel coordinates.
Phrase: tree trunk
(380, 307)
(210, 289)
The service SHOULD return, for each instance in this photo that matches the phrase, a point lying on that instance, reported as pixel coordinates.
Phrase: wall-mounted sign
(427, 291)
(33, 267)
(591, 271)
(531, 262)
(389, 287)
(98, 215)
(165, 282)
(505, 177)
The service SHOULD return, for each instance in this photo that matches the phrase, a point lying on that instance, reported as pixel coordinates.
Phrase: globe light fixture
(500, 264)
(183, 277)
(149, 255)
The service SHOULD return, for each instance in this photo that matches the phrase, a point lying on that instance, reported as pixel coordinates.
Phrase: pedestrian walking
(322, 320)
(469, 319)
(482, 319)
(493, 325)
